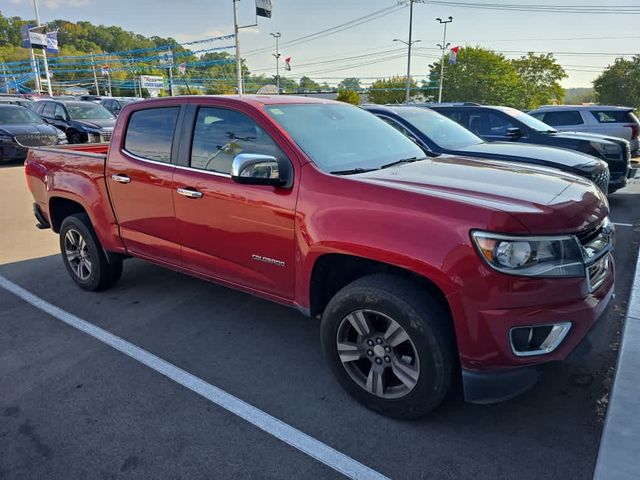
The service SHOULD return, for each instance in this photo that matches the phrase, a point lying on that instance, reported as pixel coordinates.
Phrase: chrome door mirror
(255, 169)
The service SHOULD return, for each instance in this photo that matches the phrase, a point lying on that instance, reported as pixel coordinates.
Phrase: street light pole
(277, 36)
(443, 47)
(236, 30)
(408, 87)
(409, 44)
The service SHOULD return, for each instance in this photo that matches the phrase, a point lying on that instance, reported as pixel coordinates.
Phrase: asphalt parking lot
(73, 407)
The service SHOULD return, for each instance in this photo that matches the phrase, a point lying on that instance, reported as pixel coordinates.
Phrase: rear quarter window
(613, 116)
(150, 133)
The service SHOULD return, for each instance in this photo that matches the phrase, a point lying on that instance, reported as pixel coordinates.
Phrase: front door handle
(189, 193)
(121, 178)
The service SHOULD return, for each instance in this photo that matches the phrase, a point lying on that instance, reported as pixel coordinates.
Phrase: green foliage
(348, 96)
(540, 76)
(576, 96)
(487, 77)
(619, 84)
(481, 76)
(308, 85)
(350, 83)
(391, 90)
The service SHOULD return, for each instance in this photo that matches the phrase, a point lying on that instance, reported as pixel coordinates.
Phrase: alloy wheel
(77, 253)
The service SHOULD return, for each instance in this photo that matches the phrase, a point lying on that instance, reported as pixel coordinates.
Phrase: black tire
(428, 326)
(74, 137)
(103, 272)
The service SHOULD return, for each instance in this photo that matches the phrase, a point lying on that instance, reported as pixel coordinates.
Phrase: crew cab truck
(423, 271)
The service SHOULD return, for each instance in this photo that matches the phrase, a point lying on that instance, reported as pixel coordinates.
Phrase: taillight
(635, 129)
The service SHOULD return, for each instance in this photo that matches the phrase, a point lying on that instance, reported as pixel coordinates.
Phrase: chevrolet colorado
(423, 271)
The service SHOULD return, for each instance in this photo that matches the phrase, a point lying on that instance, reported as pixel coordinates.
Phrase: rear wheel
(84, 257)
(390, 344)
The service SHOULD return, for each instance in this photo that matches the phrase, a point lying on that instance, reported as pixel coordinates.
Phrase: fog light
(537, 340)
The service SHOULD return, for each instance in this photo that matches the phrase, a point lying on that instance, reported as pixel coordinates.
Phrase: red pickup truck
(423, 270)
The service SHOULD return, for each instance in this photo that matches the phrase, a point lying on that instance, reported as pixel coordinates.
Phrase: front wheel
(83, 256)
(390, 345)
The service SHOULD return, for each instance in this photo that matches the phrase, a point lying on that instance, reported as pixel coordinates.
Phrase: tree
(391, 90)
(349, 96)
(481, 76)
(350, 83)
(540, 76)
(619, 84)
(308, 85)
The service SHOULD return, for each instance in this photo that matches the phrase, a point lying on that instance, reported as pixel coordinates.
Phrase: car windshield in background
(441, 130)
(343, 137)
(14, 114)
(88, 111)
(528, 120)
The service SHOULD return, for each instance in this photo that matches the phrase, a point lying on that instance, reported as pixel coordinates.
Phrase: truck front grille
(105, 137)
(36, 139)
(601, 179)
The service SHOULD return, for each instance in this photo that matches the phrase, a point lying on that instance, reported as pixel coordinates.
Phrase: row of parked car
(497, 133)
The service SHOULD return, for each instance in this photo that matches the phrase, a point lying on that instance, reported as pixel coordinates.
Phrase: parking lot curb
(618, 457)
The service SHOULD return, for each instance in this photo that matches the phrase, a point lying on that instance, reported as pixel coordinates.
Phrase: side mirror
(60, 117)
(254, 169)
(514, 133)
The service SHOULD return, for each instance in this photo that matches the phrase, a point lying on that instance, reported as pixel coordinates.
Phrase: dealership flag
(287, 63)
(263, 8)
(453, 55)
(182, 68)
(52, 42)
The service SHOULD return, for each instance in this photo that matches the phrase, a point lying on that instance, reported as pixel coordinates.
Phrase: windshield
(88, 111)
(343, 137)
(528, 120)
(441, 130)
(15, 114)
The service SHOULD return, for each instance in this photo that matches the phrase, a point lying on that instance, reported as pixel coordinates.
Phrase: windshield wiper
(352, 171)
(404, 160)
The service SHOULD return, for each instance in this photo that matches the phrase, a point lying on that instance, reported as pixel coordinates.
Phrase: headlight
(531, 256)
(6, 139)
(606, 148)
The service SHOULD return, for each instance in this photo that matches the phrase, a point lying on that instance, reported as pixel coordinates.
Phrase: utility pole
(95, 77)
(444, 47)
(236, 30)
(409, 44)
(277, 36)
(44, 52)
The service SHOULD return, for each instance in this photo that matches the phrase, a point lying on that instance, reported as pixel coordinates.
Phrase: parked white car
(601, 119)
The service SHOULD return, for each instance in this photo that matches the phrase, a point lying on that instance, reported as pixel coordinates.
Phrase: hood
(587, 137)
(26, 128)
(97, 124)
(548, 156)
(543, 200)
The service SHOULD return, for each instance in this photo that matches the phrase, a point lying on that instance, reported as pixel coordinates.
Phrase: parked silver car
(601, 119)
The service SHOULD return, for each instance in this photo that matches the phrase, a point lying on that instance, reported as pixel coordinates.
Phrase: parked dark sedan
(115, 105)
(83, 122)
(20, 128)
(508, 124)
(438, 134)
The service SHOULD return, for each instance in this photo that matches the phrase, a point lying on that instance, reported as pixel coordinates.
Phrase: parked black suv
(83, 122)
(438, 134)
(115, 105)
(508, 124)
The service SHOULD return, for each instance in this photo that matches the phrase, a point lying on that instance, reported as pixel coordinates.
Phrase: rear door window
(483, 122)
(564, 117)
(150, 133)
(48, 109)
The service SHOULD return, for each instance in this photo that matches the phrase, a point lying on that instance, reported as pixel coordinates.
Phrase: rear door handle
(189, 193)
(121, 178)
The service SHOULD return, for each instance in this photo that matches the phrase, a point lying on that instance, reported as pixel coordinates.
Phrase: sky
(584, 44)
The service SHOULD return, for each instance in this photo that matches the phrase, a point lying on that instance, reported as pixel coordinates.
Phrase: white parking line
(623, 224)
(314, 448)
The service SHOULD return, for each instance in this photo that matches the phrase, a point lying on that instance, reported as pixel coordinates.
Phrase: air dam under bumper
(492, 386)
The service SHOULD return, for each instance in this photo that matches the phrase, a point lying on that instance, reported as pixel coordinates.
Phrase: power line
(599, 10)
